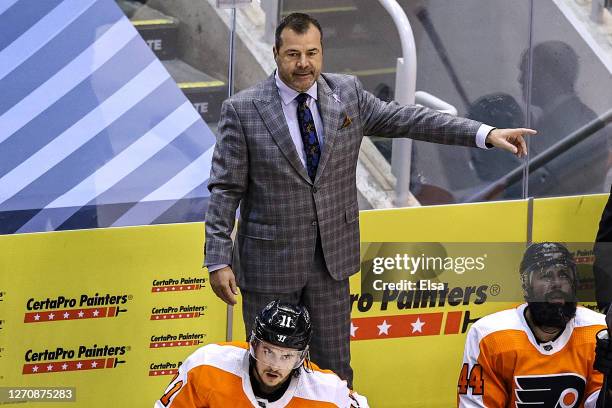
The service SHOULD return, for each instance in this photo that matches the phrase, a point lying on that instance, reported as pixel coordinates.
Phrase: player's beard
(546, 314)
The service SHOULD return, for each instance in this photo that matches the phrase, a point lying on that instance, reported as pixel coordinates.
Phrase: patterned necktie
(309, 135)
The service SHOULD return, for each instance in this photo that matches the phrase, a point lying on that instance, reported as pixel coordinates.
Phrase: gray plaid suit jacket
(255, 164)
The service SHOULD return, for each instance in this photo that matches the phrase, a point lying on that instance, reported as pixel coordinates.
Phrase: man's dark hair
(553, 61)
(298, 22)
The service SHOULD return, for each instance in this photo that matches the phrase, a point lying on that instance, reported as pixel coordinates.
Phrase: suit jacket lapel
(271, 112)
(330, 109)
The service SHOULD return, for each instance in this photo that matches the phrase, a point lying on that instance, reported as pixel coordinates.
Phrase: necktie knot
(301, 99)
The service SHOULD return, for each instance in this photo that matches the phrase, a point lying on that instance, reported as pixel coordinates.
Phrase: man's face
(274, 365)
(551, 296)
(553, 284)
(299, 58)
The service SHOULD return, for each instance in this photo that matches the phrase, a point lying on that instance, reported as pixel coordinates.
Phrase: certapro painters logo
(82, 358)
(410, 325)
(179, 340)
(418, 324)
(178, 285)
(584, 257)
(178, 312)
(85, 306)
(165, 368)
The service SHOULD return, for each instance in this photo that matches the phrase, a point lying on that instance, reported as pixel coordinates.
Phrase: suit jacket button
(313, 223)
(314, 189)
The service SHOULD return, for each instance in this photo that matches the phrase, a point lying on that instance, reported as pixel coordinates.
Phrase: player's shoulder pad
(225, 356)
(504, 320)
(587, 317)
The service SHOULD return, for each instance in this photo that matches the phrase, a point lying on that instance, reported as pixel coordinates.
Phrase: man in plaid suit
(287, 153)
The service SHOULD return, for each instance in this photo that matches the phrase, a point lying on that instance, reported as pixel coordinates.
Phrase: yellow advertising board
(111, 313)
(406, 351)
(400, 361)
(406, 354)
(567, 219)
(108, 313)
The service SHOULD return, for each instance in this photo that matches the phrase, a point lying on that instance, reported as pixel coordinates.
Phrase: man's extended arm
(390, 119)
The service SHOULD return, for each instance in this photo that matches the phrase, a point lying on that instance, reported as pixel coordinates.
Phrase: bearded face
(551, 296)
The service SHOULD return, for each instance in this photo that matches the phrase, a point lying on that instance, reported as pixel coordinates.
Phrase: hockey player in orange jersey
(272, 370)
(541, 353)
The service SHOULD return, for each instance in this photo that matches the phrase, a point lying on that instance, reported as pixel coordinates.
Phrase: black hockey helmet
(283, 325)
(545, 254)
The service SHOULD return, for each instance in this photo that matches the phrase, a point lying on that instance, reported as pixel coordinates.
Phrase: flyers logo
(558, 390)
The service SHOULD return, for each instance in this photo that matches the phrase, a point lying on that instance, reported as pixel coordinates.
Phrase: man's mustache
(558, 294)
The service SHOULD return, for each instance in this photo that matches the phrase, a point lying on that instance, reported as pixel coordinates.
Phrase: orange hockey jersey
(217, 376)
(504, 366)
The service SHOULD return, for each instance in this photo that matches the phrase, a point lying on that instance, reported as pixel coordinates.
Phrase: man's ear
(274, 51)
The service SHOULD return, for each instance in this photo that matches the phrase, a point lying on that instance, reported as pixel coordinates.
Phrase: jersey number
(165, 399)
(473, 380)
(286, 321)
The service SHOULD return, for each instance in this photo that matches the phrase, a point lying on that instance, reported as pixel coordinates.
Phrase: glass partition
(544, 64)
(468, 54)
(571, 78)
(535, 64)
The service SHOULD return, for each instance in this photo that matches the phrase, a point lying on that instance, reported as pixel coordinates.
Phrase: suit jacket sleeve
(390, 119)
(227, 184)
(602, 267)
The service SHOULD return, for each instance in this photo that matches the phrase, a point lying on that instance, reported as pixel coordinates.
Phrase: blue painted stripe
(79, 101)
(153, 174)
(159, 169)
(66, 79)
(5, 5)
(132, 157)
(180, 185)
(192, 209)
(181, 211)
(172, 212)
(18, 18)
(121, 165)
(82, 131)
(11, 221)
(91, 216)
(66, 46)
(40, 33)
(96, 152)
(185, 181)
